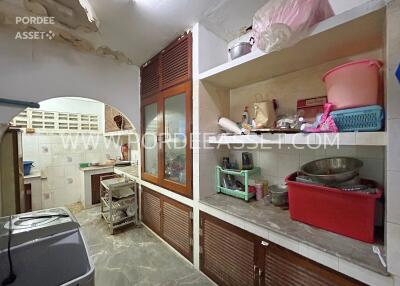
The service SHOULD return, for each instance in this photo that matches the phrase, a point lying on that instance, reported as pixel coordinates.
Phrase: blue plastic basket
(27, 167)
(368, 118)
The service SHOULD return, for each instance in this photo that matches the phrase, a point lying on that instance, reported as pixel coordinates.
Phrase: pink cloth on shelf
(327, 124)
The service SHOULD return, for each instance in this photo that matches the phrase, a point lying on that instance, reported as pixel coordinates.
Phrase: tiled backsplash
(278, 162)
(58, 158)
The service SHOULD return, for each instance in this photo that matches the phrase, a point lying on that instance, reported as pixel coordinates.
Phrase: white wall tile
(393, 148)
(61, 162)
(288, 164)
(285, 242)
(44, 149)
(397, 281)
(393, 248)
(319, 256)
(366, 276)
(343, 151)
(268, 162)
(370, 152)
(306, 158)
(393, 197)
(373, 169)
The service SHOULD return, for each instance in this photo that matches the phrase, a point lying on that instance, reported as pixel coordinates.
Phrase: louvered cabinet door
(286, 268)
(177, 226)
(150, 83)
(227, 253)
(151, 210)
(176, 62)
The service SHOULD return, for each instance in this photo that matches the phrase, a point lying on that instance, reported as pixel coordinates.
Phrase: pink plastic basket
(354, 84)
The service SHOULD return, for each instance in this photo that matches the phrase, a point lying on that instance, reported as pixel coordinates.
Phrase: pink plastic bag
(282, 23)
(326, 124)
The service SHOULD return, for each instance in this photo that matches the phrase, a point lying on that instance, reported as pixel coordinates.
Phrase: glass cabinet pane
(175, 138)
(150, 140)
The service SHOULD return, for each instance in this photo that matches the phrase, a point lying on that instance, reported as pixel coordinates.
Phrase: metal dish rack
(118, 196)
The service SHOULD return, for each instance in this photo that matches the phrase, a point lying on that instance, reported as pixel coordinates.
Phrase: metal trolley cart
(119, 201)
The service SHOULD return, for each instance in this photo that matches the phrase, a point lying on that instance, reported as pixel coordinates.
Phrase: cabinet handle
(260, 273)
(264, 243)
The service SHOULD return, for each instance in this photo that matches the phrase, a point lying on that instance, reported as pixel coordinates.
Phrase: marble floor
(134, 256)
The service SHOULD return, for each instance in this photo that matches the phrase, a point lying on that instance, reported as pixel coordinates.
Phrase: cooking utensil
(377, 251)
(241, 49)
(247, 161)
(275, 130)
(332, 170)
(279, 195)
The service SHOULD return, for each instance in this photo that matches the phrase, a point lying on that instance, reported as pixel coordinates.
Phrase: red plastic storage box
(350, 214)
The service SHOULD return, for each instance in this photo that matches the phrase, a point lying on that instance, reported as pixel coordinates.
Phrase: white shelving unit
(339, 139)
(223, 88)
(353, 32)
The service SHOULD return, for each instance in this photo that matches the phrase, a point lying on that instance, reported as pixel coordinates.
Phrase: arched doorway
(66, 140)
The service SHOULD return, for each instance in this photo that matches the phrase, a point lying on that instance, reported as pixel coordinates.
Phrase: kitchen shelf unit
(246, 174)
(353, 32)
(110, 204)
(224, 90)
(341, 139)
(287, 75)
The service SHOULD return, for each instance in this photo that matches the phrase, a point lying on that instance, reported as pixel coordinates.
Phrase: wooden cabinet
(280, 266)
(170, 67)
(28, 197)
(227, 253)
(95, 180)
(12, 194)
(150, 83)
(176, 62)
(167, 118)
(170, 220)
(151, 210)
(232, 256)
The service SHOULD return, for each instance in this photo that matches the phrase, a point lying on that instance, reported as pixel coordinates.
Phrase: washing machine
(45, 248)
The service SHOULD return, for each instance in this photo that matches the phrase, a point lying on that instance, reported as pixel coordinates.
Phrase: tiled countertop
(33, 175)
(278, 221)
(92, 168)
(130, 171)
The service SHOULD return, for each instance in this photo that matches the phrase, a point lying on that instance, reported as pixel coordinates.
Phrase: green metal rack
(242, 173)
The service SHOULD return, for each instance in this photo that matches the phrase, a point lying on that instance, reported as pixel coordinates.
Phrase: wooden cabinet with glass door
(166, 144)
(176, 149)
(166, 93)
(150, 140)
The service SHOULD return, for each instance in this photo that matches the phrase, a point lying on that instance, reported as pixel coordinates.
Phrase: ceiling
(141, 28)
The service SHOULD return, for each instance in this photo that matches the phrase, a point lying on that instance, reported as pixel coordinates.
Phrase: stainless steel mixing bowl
(332, 170)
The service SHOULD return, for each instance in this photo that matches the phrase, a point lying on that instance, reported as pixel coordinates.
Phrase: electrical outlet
(398, 73)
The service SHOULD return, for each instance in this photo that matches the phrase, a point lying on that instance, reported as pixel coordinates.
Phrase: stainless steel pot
(241, 49)
(332, 170)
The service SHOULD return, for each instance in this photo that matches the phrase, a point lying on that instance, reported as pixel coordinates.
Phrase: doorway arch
(58, 154)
